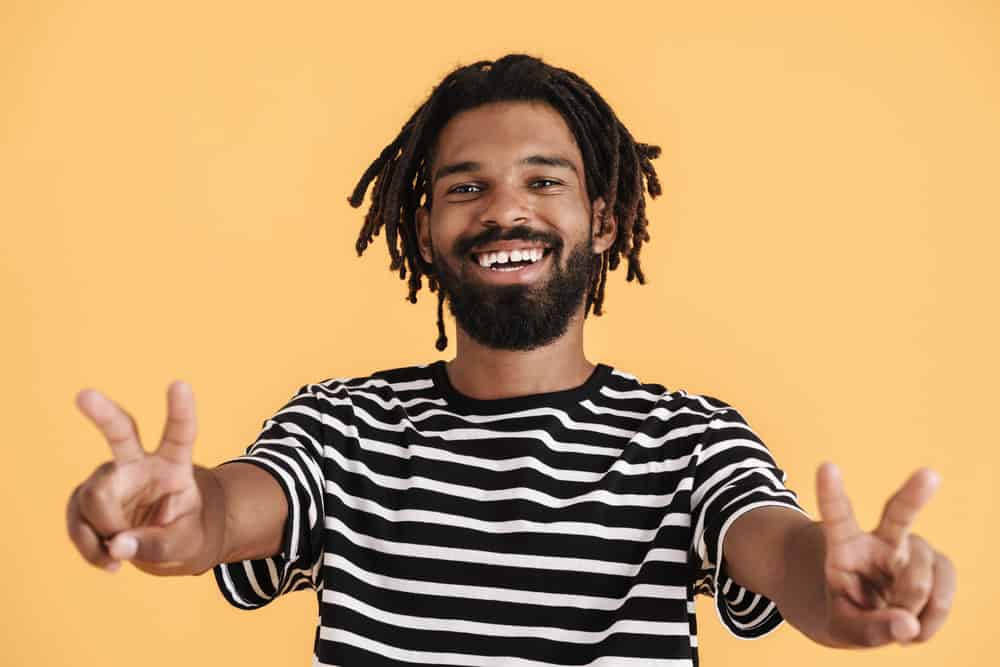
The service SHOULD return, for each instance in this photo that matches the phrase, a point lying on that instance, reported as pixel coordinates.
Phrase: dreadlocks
(615, 165)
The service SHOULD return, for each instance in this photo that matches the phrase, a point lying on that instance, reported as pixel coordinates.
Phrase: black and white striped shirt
(568, 528)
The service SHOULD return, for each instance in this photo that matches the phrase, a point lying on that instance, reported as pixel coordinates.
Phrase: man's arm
(242, 516)
(779, 553)
(838, 585)
(256, 510)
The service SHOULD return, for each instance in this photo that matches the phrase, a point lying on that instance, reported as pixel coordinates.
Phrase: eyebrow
(542, 160)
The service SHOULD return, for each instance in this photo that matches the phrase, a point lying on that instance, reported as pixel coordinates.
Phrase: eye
(542, 183)
(462, 189)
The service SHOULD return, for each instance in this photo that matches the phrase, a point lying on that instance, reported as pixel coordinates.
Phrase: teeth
(491, 259)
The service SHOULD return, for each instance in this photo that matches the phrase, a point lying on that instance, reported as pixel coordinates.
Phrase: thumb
(153, 544)
(870, 628)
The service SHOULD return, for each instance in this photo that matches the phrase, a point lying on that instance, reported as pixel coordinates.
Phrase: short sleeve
(290, 448)
(734, 473)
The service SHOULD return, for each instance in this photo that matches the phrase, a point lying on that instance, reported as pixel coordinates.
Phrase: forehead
(506, 131)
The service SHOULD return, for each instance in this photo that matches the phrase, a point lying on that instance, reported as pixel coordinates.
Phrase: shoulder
(656, 398)
(383, 384)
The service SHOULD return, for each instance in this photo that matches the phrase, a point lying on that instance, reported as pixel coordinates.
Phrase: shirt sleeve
(734, 473)
(290, 448)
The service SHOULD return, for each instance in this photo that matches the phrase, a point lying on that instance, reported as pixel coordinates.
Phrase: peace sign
(139, 506)
(888, 585)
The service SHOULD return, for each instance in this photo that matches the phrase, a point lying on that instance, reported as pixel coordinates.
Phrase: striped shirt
(566, 528)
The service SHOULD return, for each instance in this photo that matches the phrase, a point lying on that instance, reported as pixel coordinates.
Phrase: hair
(614, 165)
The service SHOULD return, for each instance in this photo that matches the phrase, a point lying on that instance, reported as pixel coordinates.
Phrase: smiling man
(517, 505)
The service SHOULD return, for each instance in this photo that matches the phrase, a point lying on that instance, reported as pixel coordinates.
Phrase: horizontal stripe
(446, 658)
(495, 593)
(531, 561)
(565, 529)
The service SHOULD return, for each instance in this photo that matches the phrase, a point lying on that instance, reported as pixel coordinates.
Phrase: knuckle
(95, 495)
(946, 562)
(939, 604)
(77, 534)
(922, 588)
(71, 504)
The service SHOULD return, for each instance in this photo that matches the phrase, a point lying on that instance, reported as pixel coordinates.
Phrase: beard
(517, 317)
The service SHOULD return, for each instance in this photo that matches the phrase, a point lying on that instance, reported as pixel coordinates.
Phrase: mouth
(510, 259)
(511, 264)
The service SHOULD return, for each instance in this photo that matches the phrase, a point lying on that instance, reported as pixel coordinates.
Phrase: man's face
(511, 232)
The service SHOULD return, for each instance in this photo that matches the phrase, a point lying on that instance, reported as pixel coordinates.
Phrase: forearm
(214, 514)
(802, 600)
(243, 513)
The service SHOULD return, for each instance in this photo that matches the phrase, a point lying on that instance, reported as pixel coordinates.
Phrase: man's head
(503, 156)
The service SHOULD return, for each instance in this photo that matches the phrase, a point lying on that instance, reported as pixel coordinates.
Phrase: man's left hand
(888, 585)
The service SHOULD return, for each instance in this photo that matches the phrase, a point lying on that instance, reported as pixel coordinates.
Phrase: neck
(485, 373)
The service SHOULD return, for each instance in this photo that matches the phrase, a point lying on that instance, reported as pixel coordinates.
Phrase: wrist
(213, 521)
(805, 602)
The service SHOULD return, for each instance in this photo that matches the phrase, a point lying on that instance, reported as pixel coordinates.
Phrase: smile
(509, 260)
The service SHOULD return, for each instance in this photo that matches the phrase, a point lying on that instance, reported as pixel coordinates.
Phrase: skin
(504, 192)
(839, 585)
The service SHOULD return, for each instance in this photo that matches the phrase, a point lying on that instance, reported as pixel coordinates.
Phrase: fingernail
(903, 630)
(125, 547)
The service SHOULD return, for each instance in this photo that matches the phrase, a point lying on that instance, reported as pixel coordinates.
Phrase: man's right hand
(144, 507)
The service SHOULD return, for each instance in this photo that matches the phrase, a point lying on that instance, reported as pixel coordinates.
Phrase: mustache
(464, 246)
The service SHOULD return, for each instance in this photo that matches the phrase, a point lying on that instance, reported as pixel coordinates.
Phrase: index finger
(839, 524)
(179, 431)
(116, 425)
(902, 509)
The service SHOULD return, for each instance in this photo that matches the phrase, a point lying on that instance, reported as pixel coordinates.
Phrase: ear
(424, 234)
(603, 238)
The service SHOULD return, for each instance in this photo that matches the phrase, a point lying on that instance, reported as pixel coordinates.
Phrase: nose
(505, 206)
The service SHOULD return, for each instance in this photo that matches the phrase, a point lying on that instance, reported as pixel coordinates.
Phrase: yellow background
(172, 194)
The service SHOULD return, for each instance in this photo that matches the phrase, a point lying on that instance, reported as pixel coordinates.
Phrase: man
(518, 505)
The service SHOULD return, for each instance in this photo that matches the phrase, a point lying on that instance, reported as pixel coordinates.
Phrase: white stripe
(230, 586)
(498, 594)
(345, 383)
(575, 528)
(273, 572)
(519, 493)
(449, 434)
(441, 658)
(698, 537)
(293, 428)
(601, 410)
(478, 556)
(252, 578)
(659, 412)
(553, 634)
(408, 452)
(563, 418)
(296, 466)
(633, 393)
(749, 466)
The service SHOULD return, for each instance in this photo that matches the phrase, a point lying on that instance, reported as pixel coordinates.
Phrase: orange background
(173, 183)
